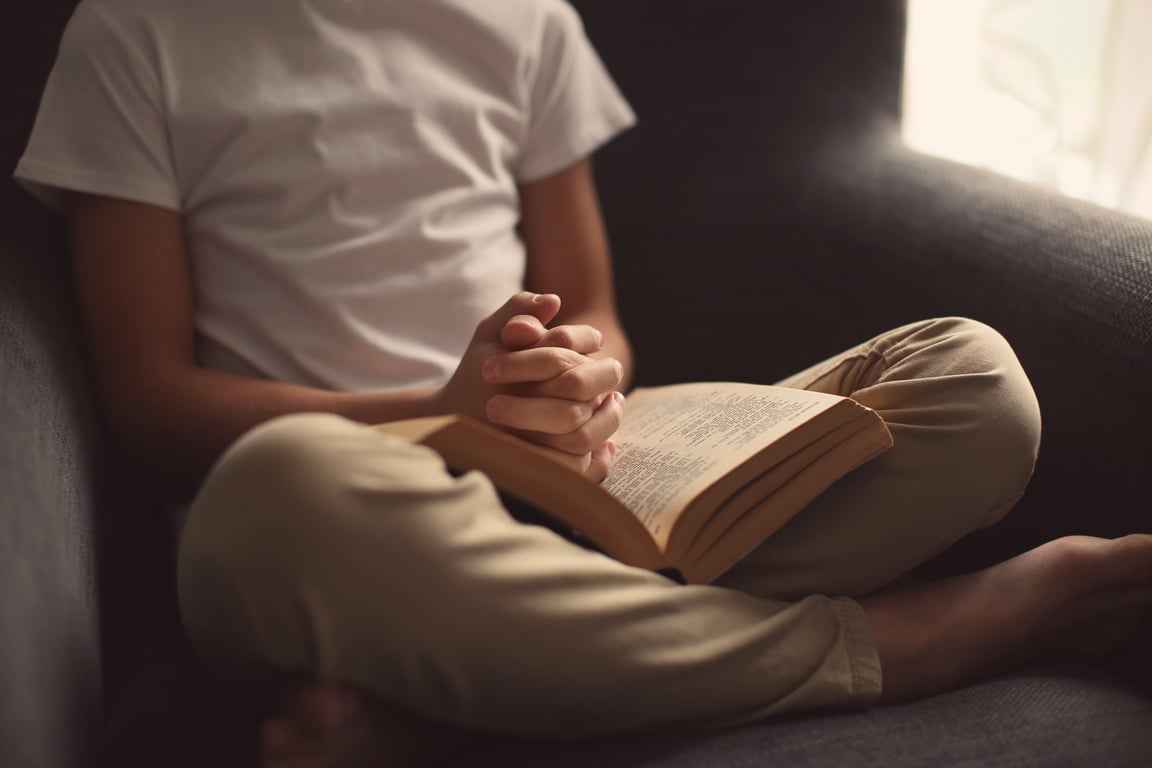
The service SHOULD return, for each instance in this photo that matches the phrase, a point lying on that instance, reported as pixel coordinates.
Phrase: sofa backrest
(68, 519)
(50, 650)
(76, 544)
(736, 102)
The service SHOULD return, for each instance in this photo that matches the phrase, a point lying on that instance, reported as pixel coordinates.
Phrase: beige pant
(320, 547)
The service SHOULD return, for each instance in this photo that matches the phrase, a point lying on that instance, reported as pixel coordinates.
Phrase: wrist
(407, 404)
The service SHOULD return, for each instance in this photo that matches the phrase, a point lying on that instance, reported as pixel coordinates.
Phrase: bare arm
(568, 254)
(561, 384)
(169, 414)
(174, 417)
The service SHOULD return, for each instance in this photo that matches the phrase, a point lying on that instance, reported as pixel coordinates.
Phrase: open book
(705, 471)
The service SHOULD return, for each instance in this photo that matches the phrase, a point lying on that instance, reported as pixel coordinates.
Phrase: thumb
(521, 332)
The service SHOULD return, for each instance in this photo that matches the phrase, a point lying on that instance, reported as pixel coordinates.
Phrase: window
(1050, 91)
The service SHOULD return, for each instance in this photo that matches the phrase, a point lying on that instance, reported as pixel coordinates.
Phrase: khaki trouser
(321, 547)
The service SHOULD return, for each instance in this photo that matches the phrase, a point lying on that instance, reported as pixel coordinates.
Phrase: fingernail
(618, 397)
(613, 448)
(491, 369)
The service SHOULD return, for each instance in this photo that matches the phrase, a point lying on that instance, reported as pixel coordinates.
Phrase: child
(292, 218)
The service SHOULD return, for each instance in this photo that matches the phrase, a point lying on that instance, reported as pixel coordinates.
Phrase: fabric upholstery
(49, 622)
(1052, 717)
(765, 183)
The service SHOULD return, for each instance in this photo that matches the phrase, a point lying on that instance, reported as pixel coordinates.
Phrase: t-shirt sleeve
(574, 105)
(101, 127)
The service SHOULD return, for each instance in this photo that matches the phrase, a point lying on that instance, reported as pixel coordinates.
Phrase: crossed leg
(1075, 593)
(949, 386)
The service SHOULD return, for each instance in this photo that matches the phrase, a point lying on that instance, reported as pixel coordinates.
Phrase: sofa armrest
(50, 626)
(83, 558)
(1067, 282)
(753, 270)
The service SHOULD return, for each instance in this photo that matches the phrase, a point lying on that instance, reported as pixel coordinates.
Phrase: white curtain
(1058, 92)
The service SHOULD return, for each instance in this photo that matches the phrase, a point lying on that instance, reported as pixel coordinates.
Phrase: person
(292, 220)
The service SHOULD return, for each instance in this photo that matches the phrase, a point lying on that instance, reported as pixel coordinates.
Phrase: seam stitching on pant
(850, 637)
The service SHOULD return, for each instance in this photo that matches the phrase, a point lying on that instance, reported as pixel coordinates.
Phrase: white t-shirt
(346, 170)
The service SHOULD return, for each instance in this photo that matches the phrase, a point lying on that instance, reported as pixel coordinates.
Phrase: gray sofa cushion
(765, 186)
(1047, 715)
(1050, 717)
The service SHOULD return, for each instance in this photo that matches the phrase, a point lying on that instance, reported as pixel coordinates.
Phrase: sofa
(763, 214)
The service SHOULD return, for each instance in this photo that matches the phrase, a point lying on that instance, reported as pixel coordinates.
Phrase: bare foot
(326, 725)
(1076, 593)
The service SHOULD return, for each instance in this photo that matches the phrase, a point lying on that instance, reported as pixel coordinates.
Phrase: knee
(279, 475)
(1005, 393)
(1005, 412)
(959, 382)
(306, 481)
(305, 505)
(247, 543)
(305, 499)
(259, 508)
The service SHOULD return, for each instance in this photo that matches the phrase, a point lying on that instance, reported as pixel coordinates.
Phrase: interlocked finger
(562, 427)
(600, 461)
(555, 372)
(531, 365)
(547, 415)
(579, 338)
(592, 379)
(595, 432)
(595, 464)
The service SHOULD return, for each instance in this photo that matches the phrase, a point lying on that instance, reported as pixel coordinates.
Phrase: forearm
(176, 424)
(568, 255)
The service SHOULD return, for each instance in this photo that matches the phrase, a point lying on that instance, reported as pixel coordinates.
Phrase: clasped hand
(542, 383)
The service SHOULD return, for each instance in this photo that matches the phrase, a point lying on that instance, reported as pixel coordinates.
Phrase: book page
(677, 440)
